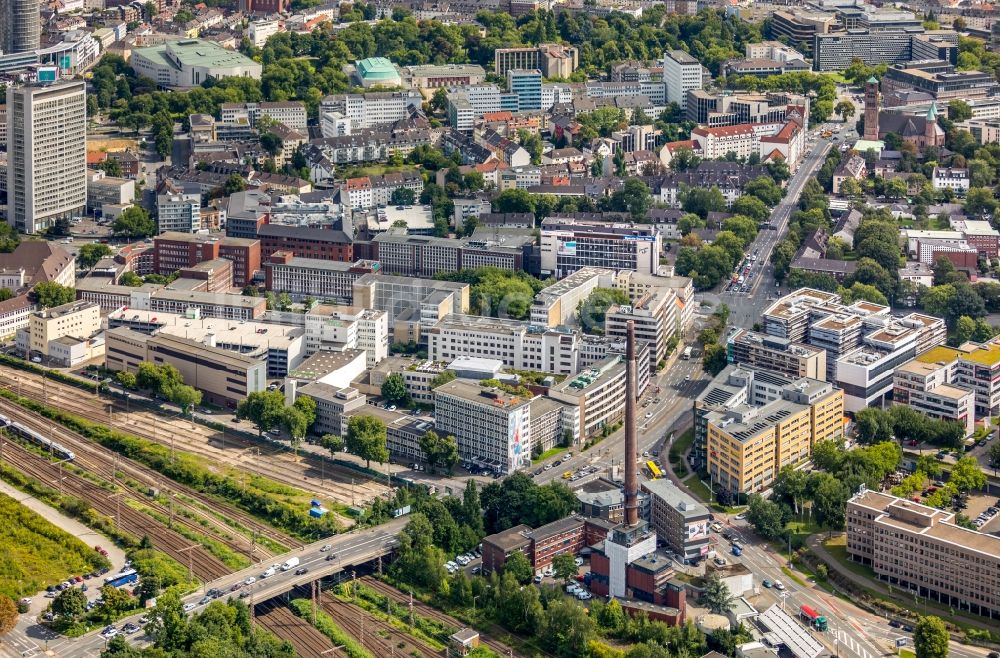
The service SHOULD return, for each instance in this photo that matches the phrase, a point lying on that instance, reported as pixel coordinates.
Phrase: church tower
(871, 109)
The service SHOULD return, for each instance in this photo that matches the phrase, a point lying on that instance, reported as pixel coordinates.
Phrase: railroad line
(203, 564)
(107, 464)
(305, 638)
(371, 631)
(308, 473)
(425, 610)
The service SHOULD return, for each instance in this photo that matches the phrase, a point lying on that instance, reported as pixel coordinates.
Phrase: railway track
(309, 473)
(307, 641)
(425, 610)
(203, 564)
(113, 468)
(375, 635)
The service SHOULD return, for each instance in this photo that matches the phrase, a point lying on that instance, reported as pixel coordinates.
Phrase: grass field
(678, 448)
(698, 488)
(35, 554)
(551, 452)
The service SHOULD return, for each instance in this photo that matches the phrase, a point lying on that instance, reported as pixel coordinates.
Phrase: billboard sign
(517, 442)
(567, 248)
(47, 74)
(697, 530)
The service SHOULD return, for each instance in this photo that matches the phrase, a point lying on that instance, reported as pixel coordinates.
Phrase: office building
(527, 86)
(748, 445)
(927, 388)
(366, 110)
(569, 244)
(282, 347)
(435, 76)
(67, 334)
(560, 303)
(104, 190)
(681, 74)
(758, 350)
(413, 305)
(492, 428)
(974, 367)
(290, 113)
(596, 397)
(938, 79)
(46, 154)
(222, 376)
(654, 316)
(311, 277)
(339, 328)
(190, 62)
(20, 26)
(425, 255)
(678, 519)
(800, 26)
(173, 251)
(836, 51)
(178, 212)
(913, 547)
(553, 60)
(305, 242)
(518, 344)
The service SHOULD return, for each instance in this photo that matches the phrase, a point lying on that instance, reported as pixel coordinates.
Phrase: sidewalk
(896, 595)
(73, 527)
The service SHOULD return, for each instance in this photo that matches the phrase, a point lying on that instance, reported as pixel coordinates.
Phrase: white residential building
(178, 212)
(290, 113)
(366, 110)
(950, 178)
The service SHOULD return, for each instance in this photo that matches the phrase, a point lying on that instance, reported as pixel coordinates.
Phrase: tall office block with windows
(46, 154)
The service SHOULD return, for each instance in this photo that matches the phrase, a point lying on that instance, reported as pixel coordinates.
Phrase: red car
(78, 579)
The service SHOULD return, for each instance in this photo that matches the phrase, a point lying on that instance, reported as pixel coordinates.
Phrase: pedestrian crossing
(846, 644)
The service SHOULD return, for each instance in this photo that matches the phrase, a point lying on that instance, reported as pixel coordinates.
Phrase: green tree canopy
(366, 438)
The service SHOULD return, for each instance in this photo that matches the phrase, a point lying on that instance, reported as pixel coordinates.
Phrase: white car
(548, 572)
(451, 563)
(778, 585)
(741, 516)
(188, 607)
(582, 595)
(572, 589)
(462, 560)
(250, 581)
(109, 632)
(578, 561)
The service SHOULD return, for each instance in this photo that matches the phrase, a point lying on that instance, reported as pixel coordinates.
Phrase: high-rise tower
(20, 26)
(871, 109)
(46, 154)
(631, 444)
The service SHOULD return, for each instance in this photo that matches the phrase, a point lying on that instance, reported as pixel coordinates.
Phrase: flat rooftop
(473, 392)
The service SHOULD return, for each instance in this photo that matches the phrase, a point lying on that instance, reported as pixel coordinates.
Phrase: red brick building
(324, 244)
(569, 535)
(649, 579)
(173, 251)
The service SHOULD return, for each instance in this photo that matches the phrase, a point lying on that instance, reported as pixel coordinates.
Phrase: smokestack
(631, 447)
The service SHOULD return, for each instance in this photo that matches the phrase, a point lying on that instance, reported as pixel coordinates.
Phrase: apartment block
(748, 445)
(492, 428)
(569, 244)
(918, 548)
(759, 350)
(290, 113)
(516, 343)
(178, 212)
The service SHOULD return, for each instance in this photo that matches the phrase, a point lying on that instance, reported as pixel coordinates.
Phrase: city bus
(654, 470)
(813, 618)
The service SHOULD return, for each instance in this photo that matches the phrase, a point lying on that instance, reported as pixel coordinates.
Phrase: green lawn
(838, 549)
(698, 488)
(551, 452)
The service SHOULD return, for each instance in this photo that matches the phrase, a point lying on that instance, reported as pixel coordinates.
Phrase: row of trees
(267, 411)
(165, 381)
(903, 423)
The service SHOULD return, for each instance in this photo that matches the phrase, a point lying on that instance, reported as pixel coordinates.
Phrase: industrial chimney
(631, 447)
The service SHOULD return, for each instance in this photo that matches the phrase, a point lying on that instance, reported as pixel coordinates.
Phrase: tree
(944, 271)
(402, 196)
(333, 443)
(366, 438)
(716, 595)
(980, 201)
(595, 307)
(873, 426)
(994, 455)
(263, 408)
(612, 618)
(130, 279)
(703, 200)
(959, 110)
(112, 167)
(8, 614)
(70, 603)
(92, 252)
(126, 379)
(184, 396)
(168, 623)
(844, 109)
(765, 189)
(635, 198)
(566, 627)
(394, 390)
(439, 451)
(271, 143)
(830, 502)
(518, 567)
(564, 566)
(930, 638)
(966, 475)
(114, 601)
(5, 294)
(235, 183)
(50, 294)
(134, 223)
(714, 359)
(765, 516)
